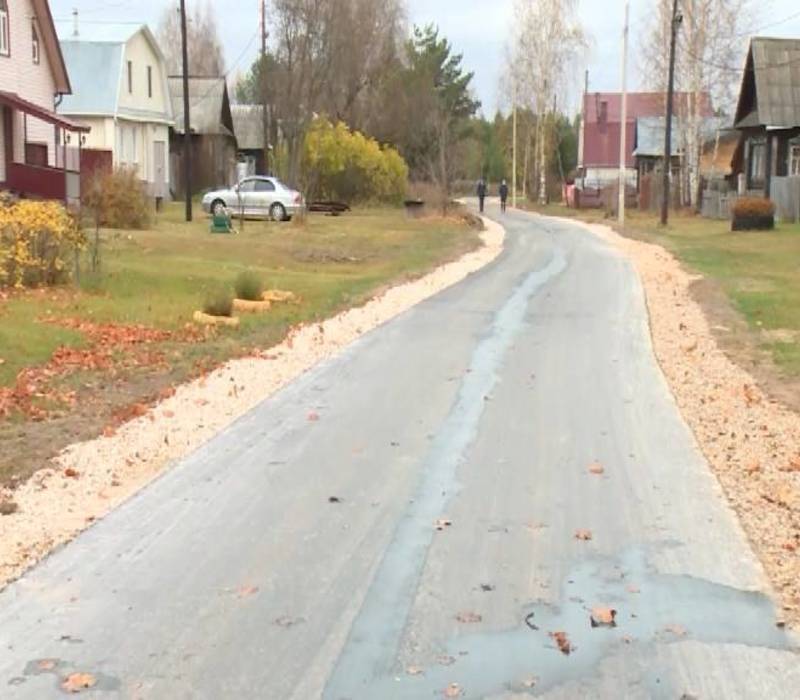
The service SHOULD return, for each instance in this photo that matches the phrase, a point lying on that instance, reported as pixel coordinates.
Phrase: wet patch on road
(68, 678)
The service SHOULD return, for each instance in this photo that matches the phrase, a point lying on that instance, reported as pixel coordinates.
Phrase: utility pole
(677, 18)
(187, 129)
(514, 151)
(265, 116)
(623, 146)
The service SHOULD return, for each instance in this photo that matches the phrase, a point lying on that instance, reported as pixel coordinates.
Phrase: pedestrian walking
(503, 195)
(481, 193)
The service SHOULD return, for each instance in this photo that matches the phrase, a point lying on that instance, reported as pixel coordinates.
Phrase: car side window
(264, 186)
(247, 186)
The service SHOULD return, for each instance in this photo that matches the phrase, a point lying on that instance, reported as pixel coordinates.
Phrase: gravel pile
(89, 479)
(751, 441)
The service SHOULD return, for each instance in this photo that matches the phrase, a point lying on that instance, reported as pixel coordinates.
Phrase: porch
(40, 151)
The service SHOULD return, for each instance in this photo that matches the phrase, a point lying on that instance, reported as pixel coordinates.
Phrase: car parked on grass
(258, 197)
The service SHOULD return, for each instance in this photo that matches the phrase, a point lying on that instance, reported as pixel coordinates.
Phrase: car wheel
(218, 207)
(277, 212)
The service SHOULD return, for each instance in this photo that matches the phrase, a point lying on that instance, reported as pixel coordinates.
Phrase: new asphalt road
(293, 559)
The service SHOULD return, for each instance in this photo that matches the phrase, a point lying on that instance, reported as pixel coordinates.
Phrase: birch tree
(206, 57)
(547, 44)
(711, 40)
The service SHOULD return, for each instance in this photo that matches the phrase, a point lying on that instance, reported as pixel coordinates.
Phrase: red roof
(601, 144)
(640, 104)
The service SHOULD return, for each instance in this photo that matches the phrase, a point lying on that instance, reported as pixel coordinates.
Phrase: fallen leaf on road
(169, 414)
(754, 467)
(442, 523)
(627, 639)
(562, 641)
(487, 587)
(530, 682)
(313, 416)
(445, 660)
(677, 630)
(288, 621)
(453, 690)
(334, 499)
(631, 588)
(596, 468)
(76, 682)
(468, 617)
(70, 473)
(603, 617)
(584, 535)
(46, 664)
(414, 671)
(751, 396)
(246, 591)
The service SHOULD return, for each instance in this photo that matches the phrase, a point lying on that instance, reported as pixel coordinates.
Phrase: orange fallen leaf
(76, 682)
(46, 664)
(562, 641)
(313, 416)
(109, 431)
(754, 467)
(414, 671)
(596, 468)
(584, 535)
(453, 690)
(71, 473)
(468, 617)
(751, 396)
(169, 414)
(246, 591)
(603, 617)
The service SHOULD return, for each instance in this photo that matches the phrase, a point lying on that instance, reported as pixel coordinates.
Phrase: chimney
(75, 31)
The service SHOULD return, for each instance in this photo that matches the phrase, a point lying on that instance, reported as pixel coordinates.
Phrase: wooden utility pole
(187, 128)
(263, 76)
(514, 151)
(676, 22)
(623, 146)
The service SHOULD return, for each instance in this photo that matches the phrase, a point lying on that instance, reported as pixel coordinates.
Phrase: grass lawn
(758, 271)
(159, 277)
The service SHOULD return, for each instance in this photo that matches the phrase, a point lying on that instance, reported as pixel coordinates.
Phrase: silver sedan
(256, 197)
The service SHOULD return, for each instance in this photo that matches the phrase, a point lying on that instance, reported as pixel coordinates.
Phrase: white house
(119, 81)
(39, 150)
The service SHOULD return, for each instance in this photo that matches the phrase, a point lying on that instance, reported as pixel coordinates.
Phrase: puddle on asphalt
(60, 669)
(652, 609)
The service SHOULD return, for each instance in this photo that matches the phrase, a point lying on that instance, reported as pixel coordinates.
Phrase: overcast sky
(476, 28)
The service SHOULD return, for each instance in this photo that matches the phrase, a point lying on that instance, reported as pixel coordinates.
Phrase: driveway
(297, 554)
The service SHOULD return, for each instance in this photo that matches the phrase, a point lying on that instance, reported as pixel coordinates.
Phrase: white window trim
(794, 159)
(37, 54)
(5, 33)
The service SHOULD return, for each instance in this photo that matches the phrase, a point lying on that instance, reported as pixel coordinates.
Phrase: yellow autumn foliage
(36, 240)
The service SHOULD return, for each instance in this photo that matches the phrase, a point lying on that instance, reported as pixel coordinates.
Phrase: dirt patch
(89, 479)
(750, 439)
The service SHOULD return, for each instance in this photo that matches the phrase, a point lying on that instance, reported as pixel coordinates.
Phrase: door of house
(160, 165)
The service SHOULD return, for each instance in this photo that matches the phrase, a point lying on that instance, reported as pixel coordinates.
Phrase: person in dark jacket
(482, 189)
(503, 195)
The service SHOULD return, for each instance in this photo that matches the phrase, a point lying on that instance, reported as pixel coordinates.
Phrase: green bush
(248, 285)
(345, 165)
(219, 303)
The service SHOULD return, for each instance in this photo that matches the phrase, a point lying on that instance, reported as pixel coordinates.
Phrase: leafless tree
(547, 42)
(206, 57)
(711, 44)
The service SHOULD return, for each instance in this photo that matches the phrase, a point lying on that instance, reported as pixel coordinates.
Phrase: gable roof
(770, 92)
(640, 104)
(248, 125)
(52, 48)
(209, 107)
(650, 132)
(94, 60)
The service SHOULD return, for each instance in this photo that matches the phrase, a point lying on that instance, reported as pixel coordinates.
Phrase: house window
(35, 44)
(758, 158)
(130, 77)
(794, 159)
(603, 116)
(5, 39)
(149, 81)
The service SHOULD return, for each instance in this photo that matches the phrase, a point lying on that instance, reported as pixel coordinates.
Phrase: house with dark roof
(602, 130)
(120, 91)
(248, 126)
(39, 149)
(768, 117)
(214, 148)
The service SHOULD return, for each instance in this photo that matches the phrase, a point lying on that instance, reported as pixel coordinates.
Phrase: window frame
(150, 81)
(794, 158)
(130, 77)
(35, 45)
(5, 29)
(265, 186)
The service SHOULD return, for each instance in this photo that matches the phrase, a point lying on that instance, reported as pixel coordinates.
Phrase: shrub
(753, 213)
(753, 206)
(219, 303)
(248, 285)
(36, 241)
(345, 165)
(117, 199)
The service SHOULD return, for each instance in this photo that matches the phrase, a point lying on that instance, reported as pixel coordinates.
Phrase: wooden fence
(786, 195)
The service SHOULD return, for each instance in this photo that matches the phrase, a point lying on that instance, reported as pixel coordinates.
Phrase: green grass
(160, 277)
(759, 271)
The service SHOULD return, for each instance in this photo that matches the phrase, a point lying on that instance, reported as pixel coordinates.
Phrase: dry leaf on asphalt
(632, 588)
(468, 617)
(313, 416)
(76, 682)
(530, 682)
(677, 630)
(596, 468)
(584, 535)
(562, 641)
(46, 664)
(453, 690)
(288, 621)
(442, 523)
(246, 591)
(445, 660)
(71, 473)
(603, 617)
(414, 671)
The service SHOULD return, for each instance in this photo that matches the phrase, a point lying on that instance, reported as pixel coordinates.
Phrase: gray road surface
(233, 576)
